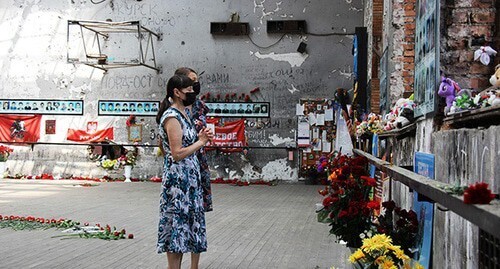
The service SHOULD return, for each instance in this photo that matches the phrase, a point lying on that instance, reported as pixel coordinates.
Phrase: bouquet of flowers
(401, 225)
(4, 153)
(129, 158)
(379, 252)
(347, 206)
(109, 164)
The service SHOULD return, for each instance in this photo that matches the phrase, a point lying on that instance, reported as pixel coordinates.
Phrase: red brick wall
(465, 26)
(401, 79)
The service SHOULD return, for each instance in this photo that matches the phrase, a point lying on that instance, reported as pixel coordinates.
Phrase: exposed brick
(483, 16)
(479, 83)
(478, 68)
(408, 60)
(460, 16)
(409, 53)
(454, 44)
(457, 31)
(481, 30)
(410, 26)
(466, 56)
(408, 46)
(408, 66)
(409, 32)
(411, 13)
(409, 6)
(409, 19)
(482, 3)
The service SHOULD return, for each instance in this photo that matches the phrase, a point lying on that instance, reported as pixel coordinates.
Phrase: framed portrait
(50, 127)
(41, 106)
(239, 109)
(135, 133)
(125, 108)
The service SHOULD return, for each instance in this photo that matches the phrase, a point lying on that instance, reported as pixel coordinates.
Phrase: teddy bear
(491, 95)
(448, 89)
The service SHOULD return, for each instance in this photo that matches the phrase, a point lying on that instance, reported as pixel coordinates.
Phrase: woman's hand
(205, 135)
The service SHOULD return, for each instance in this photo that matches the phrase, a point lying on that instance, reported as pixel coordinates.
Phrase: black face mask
(196, 88)
(190, 98)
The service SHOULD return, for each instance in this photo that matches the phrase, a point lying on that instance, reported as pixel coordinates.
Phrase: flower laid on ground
(347, 206)
(73, 228)
(103, 179)
(401, 225)
(4, 153)
(478, 194)
(379, 252)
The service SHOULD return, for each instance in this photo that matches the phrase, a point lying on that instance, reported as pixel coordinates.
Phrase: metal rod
(486, 217)
(128, 145)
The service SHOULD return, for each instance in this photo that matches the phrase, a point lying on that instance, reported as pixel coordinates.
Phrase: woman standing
(198, 113)
(181, 227)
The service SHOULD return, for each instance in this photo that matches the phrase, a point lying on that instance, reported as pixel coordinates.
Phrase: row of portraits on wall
(125, 108)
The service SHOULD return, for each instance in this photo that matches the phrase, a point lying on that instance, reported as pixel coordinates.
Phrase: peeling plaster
(273, 170)
(264, 13)
(295, 59)
(276, 140)
(293, 89)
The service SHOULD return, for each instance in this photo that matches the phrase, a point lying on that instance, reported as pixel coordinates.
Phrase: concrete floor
(250, 227)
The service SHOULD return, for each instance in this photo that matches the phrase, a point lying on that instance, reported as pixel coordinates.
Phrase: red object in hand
(478, 194)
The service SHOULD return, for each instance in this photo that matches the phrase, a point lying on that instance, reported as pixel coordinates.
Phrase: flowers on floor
(72, 228)
(379, 252)
(71, 177)
(5, 153)
(239, 182)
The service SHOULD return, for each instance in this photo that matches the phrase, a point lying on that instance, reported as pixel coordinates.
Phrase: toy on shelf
(448, 89)
(401, 115)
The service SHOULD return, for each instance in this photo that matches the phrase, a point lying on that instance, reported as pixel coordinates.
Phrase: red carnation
(373, 205)
(342, 214)
(478, 194)
(130, 236)
(369, 181)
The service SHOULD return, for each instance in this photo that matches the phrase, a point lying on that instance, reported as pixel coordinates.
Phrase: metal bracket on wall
(98, 54)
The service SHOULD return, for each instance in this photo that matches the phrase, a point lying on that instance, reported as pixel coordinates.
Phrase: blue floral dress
(181, 227)
(198, 114)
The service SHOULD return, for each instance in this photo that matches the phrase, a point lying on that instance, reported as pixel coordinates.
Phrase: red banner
(17, 128)
(232, 134)
(91, 131)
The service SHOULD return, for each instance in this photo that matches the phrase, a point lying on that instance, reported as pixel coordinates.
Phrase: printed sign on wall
(239, 110)
(126, 108)
(39, 106)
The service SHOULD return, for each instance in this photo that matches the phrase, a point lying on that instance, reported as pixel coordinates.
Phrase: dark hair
(175, 82)
(184, 71)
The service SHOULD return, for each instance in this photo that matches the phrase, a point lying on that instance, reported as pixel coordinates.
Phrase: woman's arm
(174, 133)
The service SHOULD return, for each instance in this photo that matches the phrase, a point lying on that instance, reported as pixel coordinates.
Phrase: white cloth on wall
(343, 139)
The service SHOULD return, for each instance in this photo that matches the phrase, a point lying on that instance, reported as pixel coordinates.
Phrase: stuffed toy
(448, 89)
(401, 115)
(495, 79)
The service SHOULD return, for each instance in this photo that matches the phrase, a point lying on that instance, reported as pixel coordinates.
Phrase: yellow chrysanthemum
(356, 256)
(398, 252)
(386, 263)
